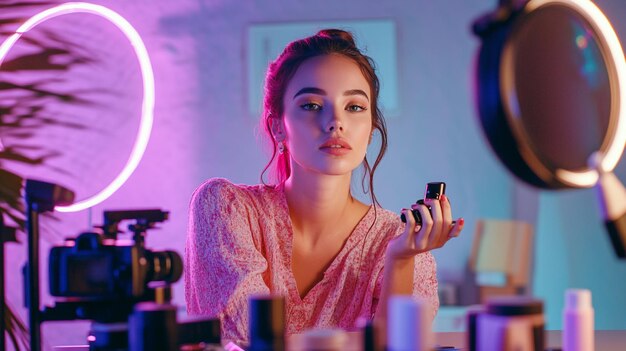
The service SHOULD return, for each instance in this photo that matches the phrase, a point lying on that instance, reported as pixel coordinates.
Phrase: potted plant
(23, 110)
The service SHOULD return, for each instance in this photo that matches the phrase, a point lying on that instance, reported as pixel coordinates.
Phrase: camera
(123, 288)
(434, 190)
(98, 266)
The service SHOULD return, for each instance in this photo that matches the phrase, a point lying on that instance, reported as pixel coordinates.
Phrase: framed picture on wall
(377, 38)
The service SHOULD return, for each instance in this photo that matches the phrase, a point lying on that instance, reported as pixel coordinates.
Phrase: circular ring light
(551, 84)
(147, 107)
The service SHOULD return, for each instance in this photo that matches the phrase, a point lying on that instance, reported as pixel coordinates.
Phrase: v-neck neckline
(354, 237)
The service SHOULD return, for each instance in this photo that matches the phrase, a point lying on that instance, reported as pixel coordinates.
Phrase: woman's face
(327, 120)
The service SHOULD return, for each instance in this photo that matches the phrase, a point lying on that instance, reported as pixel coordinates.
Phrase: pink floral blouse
(240, 243)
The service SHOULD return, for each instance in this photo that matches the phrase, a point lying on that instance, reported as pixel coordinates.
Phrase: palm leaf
(23, 111)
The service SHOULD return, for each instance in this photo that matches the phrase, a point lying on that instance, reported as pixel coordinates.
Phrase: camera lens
(166, 266)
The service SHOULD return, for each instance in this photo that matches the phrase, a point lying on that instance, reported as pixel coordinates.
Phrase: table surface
(605, 340)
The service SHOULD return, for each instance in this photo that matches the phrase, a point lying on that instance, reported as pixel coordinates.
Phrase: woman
(335, 259)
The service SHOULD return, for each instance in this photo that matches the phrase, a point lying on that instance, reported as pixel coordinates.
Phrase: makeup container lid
(514, 306)
(576, 299)
(324, 340)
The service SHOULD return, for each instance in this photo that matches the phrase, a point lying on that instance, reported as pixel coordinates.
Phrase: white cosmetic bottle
(409, 327)
(578, 321)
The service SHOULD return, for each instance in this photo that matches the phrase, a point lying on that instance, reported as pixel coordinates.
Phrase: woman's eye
(311, 106)
(356, 108)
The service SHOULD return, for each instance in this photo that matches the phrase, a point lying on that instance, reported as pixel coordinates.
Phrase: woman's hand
(436, 229)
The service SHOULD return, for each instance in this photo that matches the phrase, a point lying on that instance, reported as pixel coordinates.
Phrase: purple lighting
(147, 108)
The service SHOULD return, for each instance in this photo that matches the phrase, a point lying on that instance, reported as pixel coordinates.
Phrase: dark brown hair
(280, 72)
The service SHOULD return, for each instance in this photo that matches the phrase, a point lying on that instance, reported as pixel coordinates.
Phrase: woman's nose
(334, 124)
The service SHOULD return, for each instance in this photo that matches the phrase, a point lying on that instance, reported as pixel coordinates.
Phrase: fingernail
(443, 198)
(461, 221)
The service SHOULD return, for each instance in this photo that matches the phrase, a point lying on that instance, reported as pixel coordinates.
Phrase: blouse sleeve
(223, 265)
(425, 282)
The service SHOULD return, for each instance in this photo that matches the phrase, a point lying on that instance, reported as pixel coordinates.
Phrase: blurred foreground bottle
(267, 323)
(409, 325)
(578, 321)
(511, 323)
(324, 340)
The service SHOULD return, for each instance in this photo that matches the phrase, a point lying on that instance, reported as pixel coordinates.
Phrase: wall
(203, 129)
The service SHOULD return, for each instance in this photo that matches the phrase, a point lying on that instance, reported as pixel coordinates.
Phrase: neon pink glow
(147, 108)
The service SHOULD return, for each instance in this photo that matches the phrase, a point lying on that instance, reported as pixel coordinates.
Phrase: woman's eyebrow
(318, 91)
(310, 90)
(356, 92)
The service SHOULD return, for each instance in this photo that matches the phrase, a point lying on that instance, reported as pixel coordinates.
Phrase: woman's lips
(339, 151)
(336, 146)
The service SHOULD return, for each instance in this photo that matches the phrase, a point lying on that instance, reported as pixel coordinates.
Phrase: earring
(281, 147)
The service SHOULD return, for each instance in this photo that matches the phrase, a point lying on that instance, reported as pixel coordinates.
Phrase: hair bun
(337, 34)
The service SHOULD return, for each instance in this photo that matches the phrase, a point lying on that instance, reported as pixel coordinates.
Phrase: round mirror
(551, 81)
